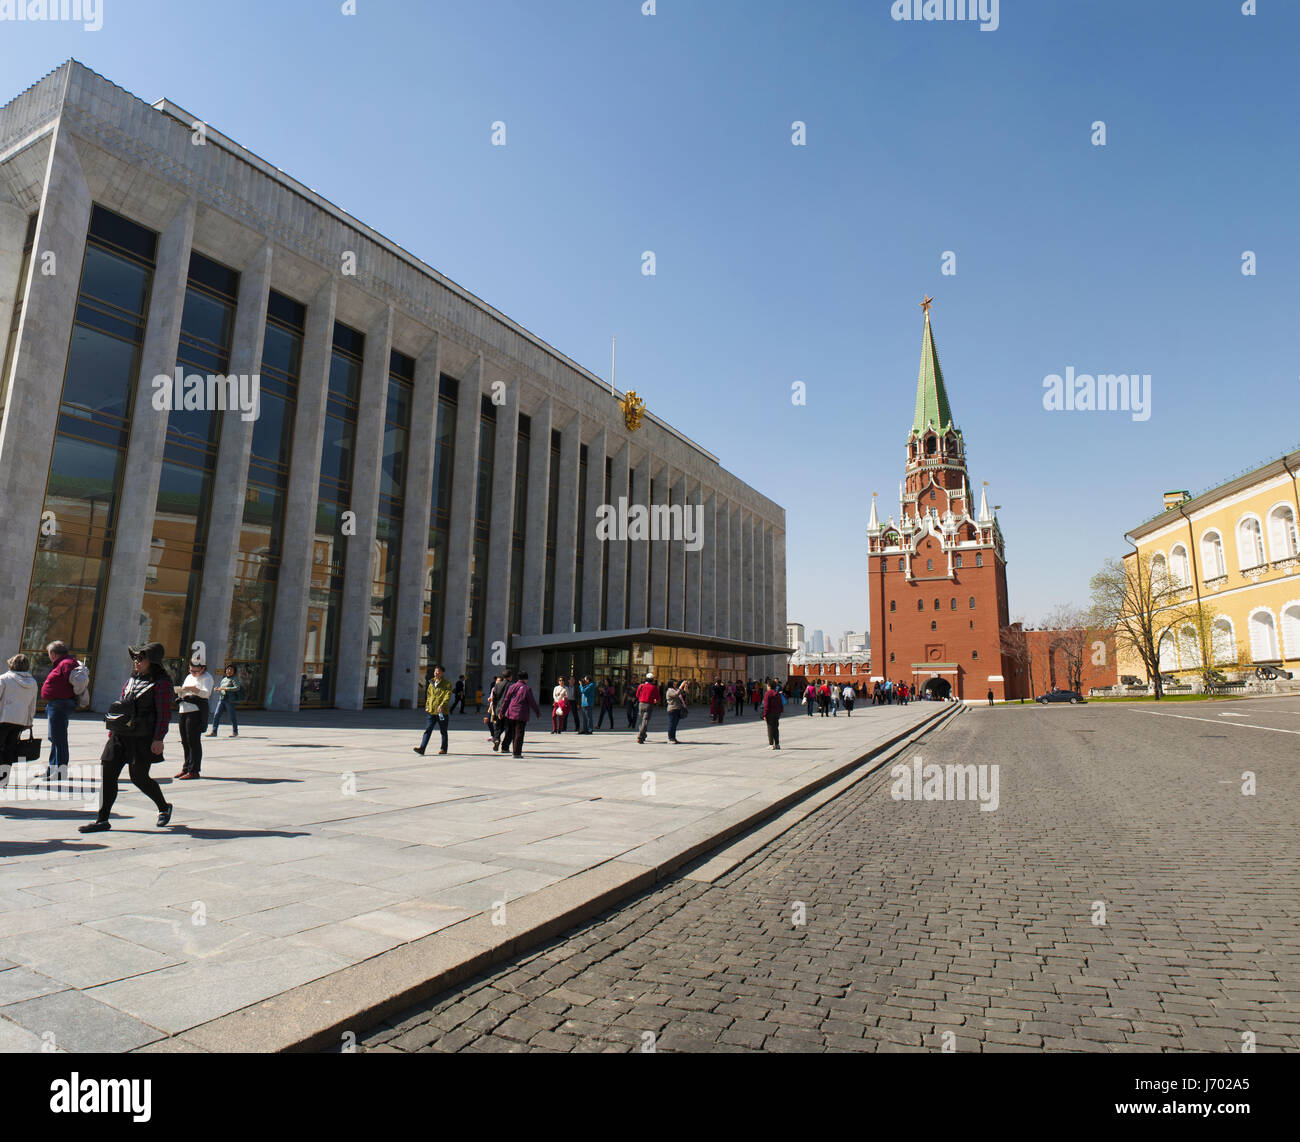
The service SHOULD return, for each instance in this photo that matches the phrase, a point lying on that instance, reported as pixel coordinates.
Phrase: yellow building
(1235, 550)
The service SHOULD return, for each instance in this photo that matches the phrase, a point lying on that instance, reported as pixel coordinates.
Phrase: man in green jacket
(437, 705)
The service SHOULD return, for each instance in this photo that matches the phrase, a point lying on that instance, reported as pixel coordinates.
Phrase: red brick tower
(937, 578)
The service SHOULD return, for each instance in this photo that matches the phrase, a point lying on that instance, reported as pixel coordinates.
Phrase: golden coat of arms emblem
(633, 411)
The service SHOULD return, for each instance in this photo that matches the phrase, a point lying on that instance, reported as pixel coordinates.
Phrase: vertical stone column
(566, 541)
(292, 595)
(31, 412)
(359, 572)
(618, 548)
(736, 597)
(749, 618)
(709, 617)
(778, 569)
(692, 560)
(639, 550)
(774, 636)
(677, 557)
(230, 480)
(496, 620)
(460, 535)
(657, 611)
(755, 570)
(722, 570)
(596, 496)
(417, 510)
(143, 468)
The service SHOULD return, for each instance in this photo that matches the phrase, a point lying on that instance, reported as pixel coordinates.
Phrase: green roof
(931, 396)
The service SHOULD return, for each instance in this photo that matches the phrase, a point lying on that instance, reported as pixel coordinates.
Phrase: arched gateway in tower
(937, 577)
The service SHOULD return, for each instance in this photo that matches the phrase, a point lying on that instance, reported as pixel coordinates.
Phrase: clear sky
(778, 263)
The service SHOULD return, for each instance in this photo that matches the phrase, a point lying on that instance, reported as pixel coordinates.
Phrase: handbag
(30, 746)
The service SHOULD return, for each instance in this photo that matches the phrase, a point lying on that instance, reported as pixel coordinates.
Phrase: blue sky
(778, 263)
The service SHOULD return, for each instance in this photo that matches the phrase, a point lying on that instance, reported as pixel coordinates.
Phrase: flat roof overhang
(653, 635)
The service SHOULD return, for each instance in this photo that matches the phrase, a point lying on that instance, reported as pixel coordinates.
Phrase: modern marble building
(420, 478)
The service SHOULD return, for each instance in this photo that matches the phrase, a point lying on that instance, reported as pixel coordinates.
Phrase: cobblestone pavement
(933, 924)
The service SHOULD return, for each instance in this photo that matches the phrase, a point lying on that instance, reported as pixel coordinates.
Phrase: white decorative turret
(985, 517)
(873, 524)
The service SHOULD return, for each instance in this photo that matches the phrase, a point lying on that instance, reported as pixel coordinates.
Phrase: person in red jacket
(772, 707)
(647, 698)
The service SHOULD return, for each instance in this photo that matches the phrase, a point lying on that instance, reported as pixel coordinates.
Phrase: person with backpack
(849, 696)
(137, 723)
(229, 691)
(518, 704)
(17, 711)
(195, 694)
(773, 704)
(66, 687)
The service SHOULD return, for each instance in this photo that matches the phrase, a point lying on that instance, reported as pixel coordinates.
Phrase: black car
(1055, 695)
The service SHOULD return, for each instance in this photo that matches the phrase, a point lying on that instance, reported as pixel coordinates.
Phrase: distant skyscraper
(818, 641)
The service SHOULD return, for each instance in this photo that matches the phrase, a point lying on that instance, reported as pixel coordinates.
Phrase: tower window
(920, 604)
(954, 603)
(934, 626)
(933, 494)
(893, 604)
(929, 564)
(974, 653)
(979, 559)
(891, 656)
(972, 602)
(956, 561)
(936, 604)
(900, 565)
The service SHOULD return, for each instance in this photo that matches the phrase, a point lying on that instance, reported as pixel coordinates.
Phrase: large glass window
(330, 544)
(478, 572)
(444, 464)
(388, 531)
(185, 491)
(581, 553)
(523, 453)
(20, 294)
(552, 536)
(261, 536)
(70, 572)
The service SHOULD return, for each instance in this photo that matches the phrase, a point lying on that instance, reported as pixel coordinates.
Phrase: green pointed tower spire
(931, 396)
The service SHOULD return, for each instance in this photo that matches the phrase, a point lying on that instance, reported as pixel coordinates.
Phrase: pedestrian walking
(518, 704)
(717, 701)
(990, 697)
(137, 723)
(229, 691)
(437, 704)
(587, 700)
(458, 695)
(647, 698)
(194, 695)
(849, 696)
(607, 696)
(773, 705)
(65, 688)
(675, 704)
(18, 692)
(496, 708)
